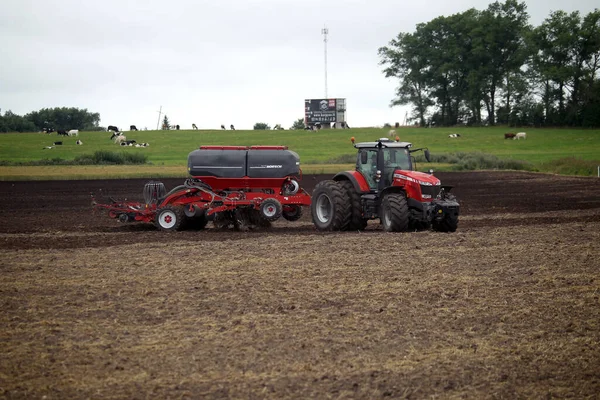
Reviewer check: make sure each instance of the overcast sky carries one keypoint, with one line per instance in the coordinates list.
(211, 62)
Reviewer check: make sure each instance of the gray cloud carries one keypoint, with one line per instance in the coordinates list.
(209, 62)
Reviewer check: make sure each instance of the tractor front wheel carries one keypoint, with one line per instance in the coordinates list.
(448, 224)
(170, 218)
(394, 213)
(330, 208)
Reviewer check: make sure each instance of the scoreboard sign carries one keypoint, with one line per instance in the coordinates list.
(320, 111)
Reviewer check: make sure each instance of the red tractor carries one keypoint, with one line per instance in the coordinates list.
(233, 186)
(385, 186)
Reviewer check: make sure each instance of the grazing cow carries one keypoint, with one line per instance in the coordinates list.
(73, 132)
(48, 130)
(454, 135)
(60, 132)
(112, 128)
(194, 127)
(232, 127)
(79, 142)
(115, 134)
(133, 128)
(57, 143)
(223, 127)
(509, 135)
(520, 135)
(177, 127)
(392, 133)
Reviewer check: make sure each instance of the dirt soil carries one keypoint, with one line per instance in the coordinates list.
(506, 307)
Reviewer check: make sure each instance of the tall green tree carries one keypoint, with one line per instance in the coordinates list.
(65, 118)
(406, 60)
(11, 122)
(500, 47)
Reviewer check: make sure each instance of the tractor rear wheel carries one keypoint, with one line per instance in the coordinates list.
(170, 218)
(330, 207)
(357, 222)
(292, 213)
(394, 213)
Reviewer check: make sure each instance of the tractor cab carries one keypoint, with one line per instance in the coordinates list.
(377, 161)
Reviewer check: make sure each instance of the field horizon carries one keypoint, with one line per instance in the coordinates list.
(326, 151)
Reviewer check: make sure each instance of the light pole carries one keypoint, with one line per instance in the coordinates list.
(159, 114)
(325, 32)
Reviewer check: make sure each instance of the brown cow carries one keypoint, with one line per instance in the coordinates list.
(509, 135)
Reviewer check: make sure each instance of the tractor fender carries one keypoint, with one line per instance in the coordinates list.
(358, 181)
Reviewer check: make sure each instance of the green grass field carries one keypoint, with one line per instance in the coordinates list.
(318, 150)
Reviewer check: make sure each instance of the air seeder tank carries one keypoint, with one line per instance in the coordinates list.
(242, 161)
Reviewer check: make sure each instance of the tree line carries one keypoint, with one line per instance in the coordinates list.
(492, 67)
(63, 118)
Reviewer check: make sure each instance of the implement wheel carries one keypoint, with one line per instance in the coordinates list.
(292, 213)
(170, 218)
(270, 209)
(330, 207)
(394, 213)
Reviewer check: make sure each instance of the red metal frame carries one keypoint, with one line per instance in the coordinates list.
(224, 194)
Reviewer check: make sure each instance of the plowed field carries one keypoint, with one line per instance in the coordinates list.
(506, 307)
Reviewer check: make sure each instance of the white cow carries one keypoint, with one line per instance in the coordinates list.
(120, 139)
(520, 135)
(454, 135)
(392, 133)
(79, 142)
(73, 132)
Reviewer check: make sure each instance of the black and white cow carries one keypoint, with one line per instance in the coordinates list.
(133, 128)
(112, 128)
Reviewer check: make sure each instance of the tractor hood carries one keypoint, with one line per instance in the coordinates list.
(419, 177)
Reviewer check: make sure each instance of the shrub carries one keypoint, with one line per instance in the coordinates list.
(571, 166)
(473, 161)
(261, 126)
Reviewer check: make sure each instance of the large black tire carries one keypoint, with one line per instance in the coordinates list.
(448, 224)
(330, 207)
(357, 222)
(270, 209)
(394, 213)
(170, 218)
(294, 213)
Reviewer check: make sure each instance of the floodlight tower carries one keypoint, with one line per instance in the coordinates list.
(325, 32)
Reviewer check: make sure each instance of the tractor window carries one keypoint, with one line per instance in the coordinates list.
(394, 158)
(397, 158)
(367, 165)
